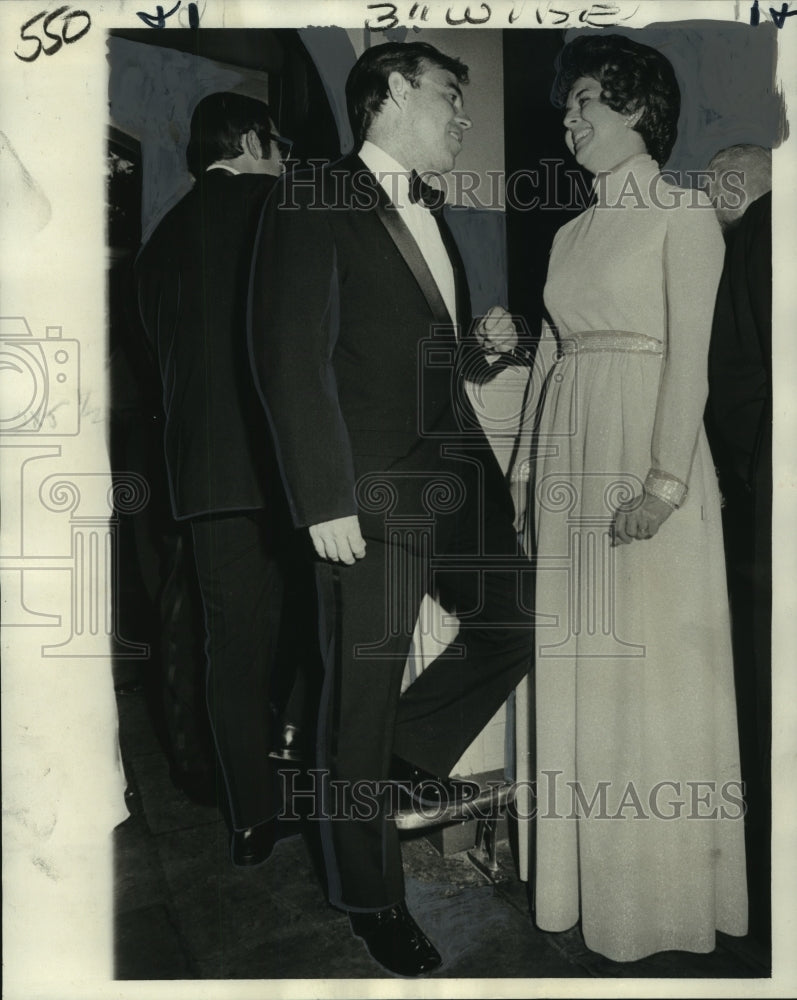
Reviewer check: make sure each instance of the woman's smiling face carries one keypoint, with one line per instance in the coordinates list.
(598, 137)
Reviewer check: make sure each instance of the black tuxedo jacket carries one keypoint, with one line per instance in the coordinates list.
(740, 356)
(360, 368)
(193, 276)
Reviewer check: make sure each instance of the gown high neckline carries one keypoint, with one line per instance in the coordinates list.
(626, 178)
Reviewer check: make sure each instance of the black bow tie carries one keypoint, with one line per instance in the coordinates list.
(424, 194)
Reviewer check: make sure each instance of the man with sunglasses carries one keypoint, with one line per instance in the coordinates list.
(193, 278)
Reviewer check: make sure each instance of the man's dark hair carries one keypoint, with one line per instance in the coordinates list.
(218, 125)
(632, 76)
(366, 87)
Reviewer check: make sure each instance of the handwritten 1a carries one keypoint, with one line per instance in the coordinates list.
(778, 18)
(158, 19)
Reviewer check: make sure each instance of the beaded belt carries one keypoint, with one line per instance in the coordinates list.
(609, 340)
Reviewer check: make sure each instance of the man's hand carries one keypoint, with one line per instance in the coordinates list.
(640, 519)
(339, 540)
(496, 333)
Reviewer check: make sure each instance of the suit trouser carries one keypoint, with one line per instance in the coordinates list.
(368, 614)
(747, 523)
(242, 587)
(183, 662)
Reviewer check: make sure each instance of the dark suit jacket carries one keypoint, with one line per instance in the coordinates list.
(193, 278)
(353, 347)
(740, 356)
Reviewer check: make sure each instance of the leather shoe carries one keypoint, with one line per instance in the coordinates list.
(488, 806)
(253, 846)
(288, 746)
(394, 939)
(429, 791)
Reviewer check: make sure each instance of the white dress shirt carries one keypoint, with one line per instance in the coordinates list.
(395, 181)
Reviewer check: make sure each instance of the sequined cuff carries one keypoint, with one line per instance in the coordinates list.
(666, 487)
(521, 472)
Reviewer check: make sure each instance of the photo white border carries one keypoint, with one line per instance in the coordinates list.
(60, 784)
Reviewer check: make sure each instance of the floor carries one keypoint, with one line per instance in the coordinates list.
(183, 911)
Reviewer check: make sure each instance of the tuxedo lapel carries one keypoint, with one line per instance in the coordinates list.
(460, 278)
(409, 250)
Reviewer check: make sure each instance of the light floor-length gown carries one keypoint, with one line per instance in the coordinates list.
(639, 829)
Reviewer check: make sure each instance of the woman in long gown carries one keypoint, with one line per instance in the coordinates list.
(639, 802)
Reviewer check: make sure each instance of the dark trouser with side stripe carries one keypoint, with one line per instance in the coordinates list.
(368, 613)
(242, 592)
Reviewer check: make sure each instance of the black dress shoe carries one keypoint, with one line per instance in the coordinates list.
(394, 939)
(253, 846)
(288, 745)
(429, 791)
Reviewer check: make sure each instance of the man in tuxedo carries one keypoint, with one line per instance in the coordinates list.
(739, 421)
(360, 335)
(193, 278)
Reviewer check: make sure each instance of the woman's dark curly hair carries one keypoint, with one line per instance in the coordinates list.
(632, 76)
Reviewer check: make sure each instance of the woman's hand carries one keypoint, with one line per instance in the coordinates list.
(496, 332)
(640, 519)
